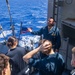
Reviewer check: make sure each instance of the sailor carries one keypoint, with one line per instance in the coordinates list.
(4, 65)
(52, 64)
(73, 58)
(16, 53)
(50, 32)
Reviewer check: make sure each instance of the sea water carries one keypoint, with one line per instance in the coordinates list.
(31, 13)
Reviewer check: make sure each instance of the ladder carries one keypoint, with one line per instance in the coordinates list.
(55, 11)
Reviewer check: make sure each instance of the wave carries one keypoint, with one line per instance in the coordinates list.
(5, 33)
(30, 12)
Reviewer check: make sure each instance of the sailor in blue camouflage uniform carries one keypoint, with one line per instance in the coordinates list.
(51, 64)
(15, 53)
(50, 32)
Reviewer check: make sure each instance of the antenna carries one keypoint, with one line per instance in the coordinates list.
(9, 12)
(11, 23)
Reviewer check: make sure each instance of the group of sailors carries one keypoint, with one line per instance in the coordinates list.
(49, 60)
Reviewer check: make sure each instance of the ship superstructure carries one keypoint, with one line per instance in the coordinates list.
(63, 11)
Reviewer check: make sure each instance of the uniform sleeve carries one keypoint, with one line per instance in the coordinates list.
(38, 32)
(34, 63)
(58, 40)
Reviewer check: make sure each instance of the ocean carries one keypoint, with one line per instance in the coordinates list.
(32, 13)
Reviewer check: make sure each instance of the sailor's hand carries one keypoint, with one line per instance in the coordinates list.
(29, 29)
(44, 47)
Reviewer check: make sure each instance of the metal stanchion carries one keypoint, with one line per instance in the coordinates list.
(67, 53)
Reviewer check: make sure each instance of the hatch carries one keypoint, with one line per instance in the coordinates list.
(68, 29)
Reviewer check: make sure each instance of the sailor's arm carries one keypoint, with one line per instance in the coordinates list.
(30, 54)
(39, 32)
